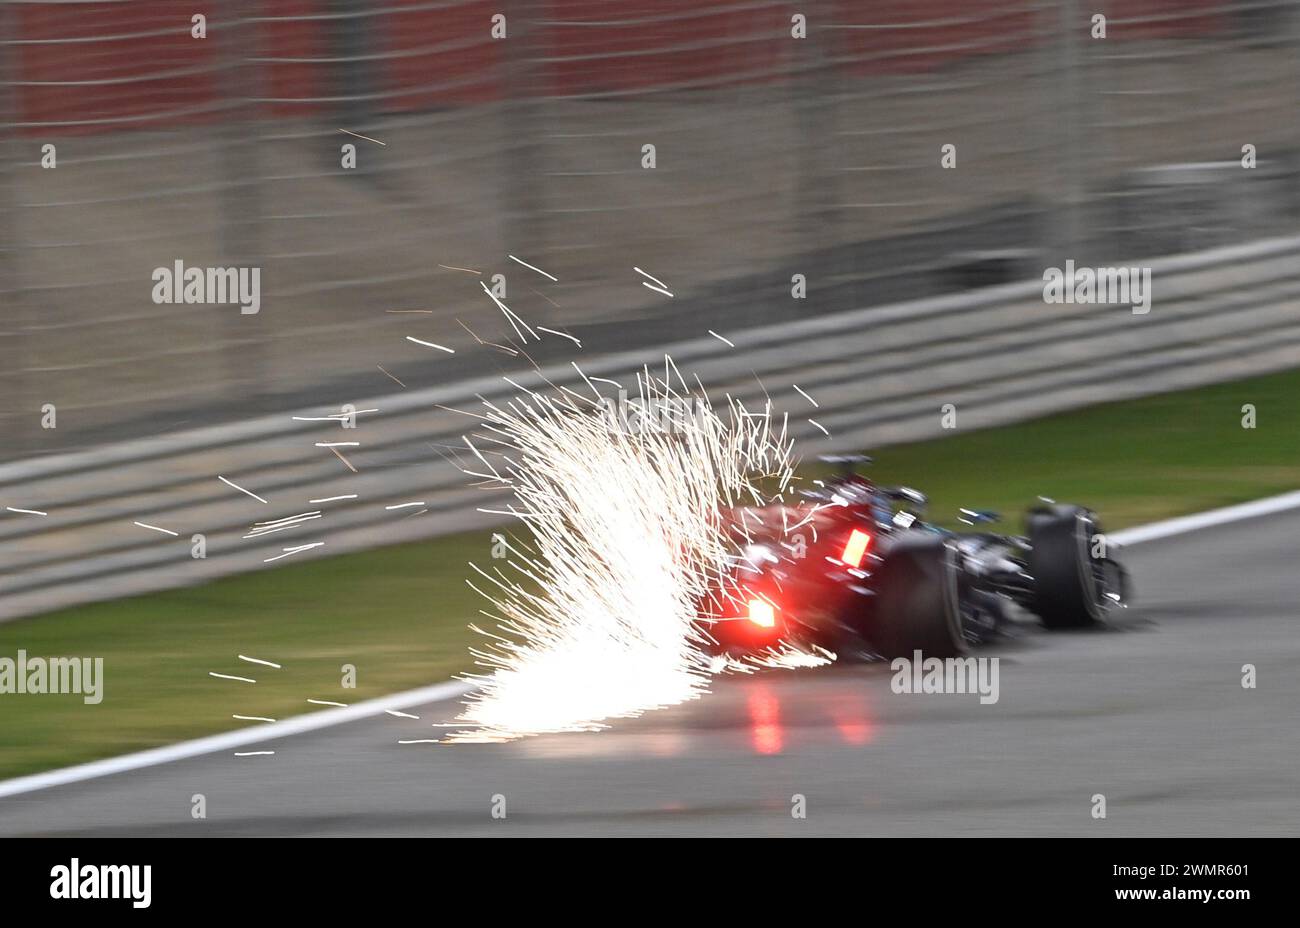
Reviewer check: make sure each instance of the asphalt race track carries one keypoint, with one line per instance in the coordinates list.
(1150, 713)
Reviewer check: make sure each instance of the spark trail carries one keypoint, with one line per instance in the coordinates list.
(626, 534)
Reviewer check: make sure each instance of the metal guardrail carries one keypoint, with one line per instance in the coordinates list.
(880, 375)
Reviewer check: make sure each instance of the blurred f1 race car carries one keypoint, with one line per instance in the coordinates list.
(866, 572)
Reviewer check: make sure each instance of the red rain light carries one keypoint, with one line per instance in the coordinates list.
(761, 613)
(856, 548)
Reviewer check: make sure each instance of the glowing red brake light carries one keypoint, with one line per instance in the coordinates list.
(761, 613)
(856, 548)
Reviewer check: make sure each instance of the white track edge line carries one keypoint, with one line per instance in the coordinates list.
(297, 725)
(1200, 520)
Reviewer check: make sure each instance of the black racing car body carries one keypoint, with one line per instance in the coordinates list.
(858, 568)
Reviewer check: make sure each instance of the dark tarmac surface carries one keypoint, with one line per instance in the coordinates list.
(1149, 712)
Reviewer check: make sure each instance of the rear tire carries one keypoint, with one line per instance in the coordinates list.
(917, 607)
(1067, 592)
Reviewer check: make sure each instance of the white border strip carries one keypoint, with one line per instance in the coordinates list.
(312, 721)
(440, 692)
(1200, 520)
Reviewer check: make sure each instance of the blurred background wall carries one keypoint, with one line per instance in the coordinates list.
(774, 155)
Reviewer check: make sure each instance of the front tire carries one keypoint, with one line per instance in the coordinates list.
(1068, 581)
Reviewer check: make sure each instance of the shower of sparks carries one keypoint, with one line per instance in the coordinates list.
(366, 137)
(278, 525)
(165, 531)
(806, 396)
(791, 658)
(257, 660)
(332, 417)
(240, 489)
(345, 461)
(514, 320)
(655, 279)
(542, 328)
(271, 531)
(531, 268)
(420, 341)
(782, 657)
(545, 297)
(294, 550)
(504, 348)
(628, 534)
(392, 378)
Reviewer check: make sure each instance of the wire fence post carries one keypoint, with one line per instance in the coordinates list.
(353, 82)
(242, 200)
(1066, 234)
(814, 95)
(521, 73)
(14, 360)
(1293, 40)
